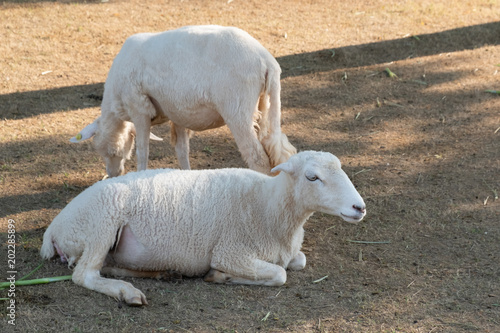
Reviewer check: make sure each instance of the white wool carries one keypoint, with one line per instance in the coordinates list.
(198, 77)
(245, 226)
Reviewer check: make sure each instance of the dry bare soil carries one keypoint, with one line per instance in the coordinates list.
(422, 148)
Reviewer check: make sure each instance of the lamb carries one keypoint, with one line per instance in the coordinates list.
(198, 78)
(230, 225)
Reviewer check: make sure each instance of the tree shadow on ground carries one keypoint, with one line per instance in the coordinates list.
(21, 105)
(22, 2)
(454, 40)
(27, 104)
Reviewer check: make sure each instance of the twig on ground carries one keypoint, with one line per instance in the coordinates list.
(320, 279)
(368, 242)
(266, 316)
(361, 171)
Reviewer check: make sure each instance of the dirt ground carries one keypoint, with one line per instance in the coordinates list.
(423, 149)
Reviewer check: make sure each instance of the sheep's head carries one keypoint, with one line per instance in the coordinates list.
(113, 141)
(321, 185)
(115, 147)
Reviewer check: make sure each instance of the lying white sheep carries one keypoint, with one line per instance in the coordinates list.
(198, 77)
(238, 225)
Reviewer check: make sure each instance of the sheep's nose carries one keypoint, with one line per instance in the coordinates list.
(361, 209)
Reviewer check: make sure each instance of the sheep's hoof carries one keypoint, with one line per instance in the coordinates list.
(216, 276)
(138, 299)
(137, 302)
(210, 276)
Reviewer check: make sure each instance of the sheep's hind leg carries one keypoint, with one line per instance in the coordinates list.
(260, 273)
(86, 274)
(180, 138)
(170, 276)
(250, 147)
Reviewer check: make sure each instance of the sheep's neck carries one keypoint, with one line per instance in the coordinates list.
(285, 214)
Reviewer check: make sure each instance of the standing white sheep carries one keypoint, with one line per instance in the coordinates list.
(238, 225)
(198, 77)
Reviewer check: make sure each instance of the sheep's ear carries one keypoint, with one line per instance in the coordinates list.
(154, 137)
(285, 167)
(151, 135)
(86, 133)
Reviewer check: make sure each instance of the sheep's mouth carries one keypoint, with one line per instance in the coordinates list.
(352, 218)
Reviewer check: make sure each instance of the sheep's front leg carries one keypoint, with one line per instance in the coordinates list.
(259, 273)
(142, 127)
(298, 262)
(86, 274)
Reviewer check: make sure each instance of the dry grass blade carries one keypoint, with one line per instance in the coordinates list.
(368, 242)
(320, 279)
(361, 171)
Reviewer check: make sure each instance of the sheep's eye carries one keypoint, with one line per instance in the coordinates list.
(312, 178)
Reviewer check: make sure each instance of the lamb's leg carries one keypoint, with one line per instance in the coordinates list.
(86, 274)
(259, 272)
(298, 262)
(250, 147)
(181, 145)
(142, 127)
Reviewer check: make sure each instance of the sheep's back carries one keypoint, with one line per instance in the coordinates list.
(188, 68)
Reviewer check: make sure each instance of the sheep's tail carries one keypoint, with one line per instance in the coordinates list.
(47, 250)
(275, 143)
